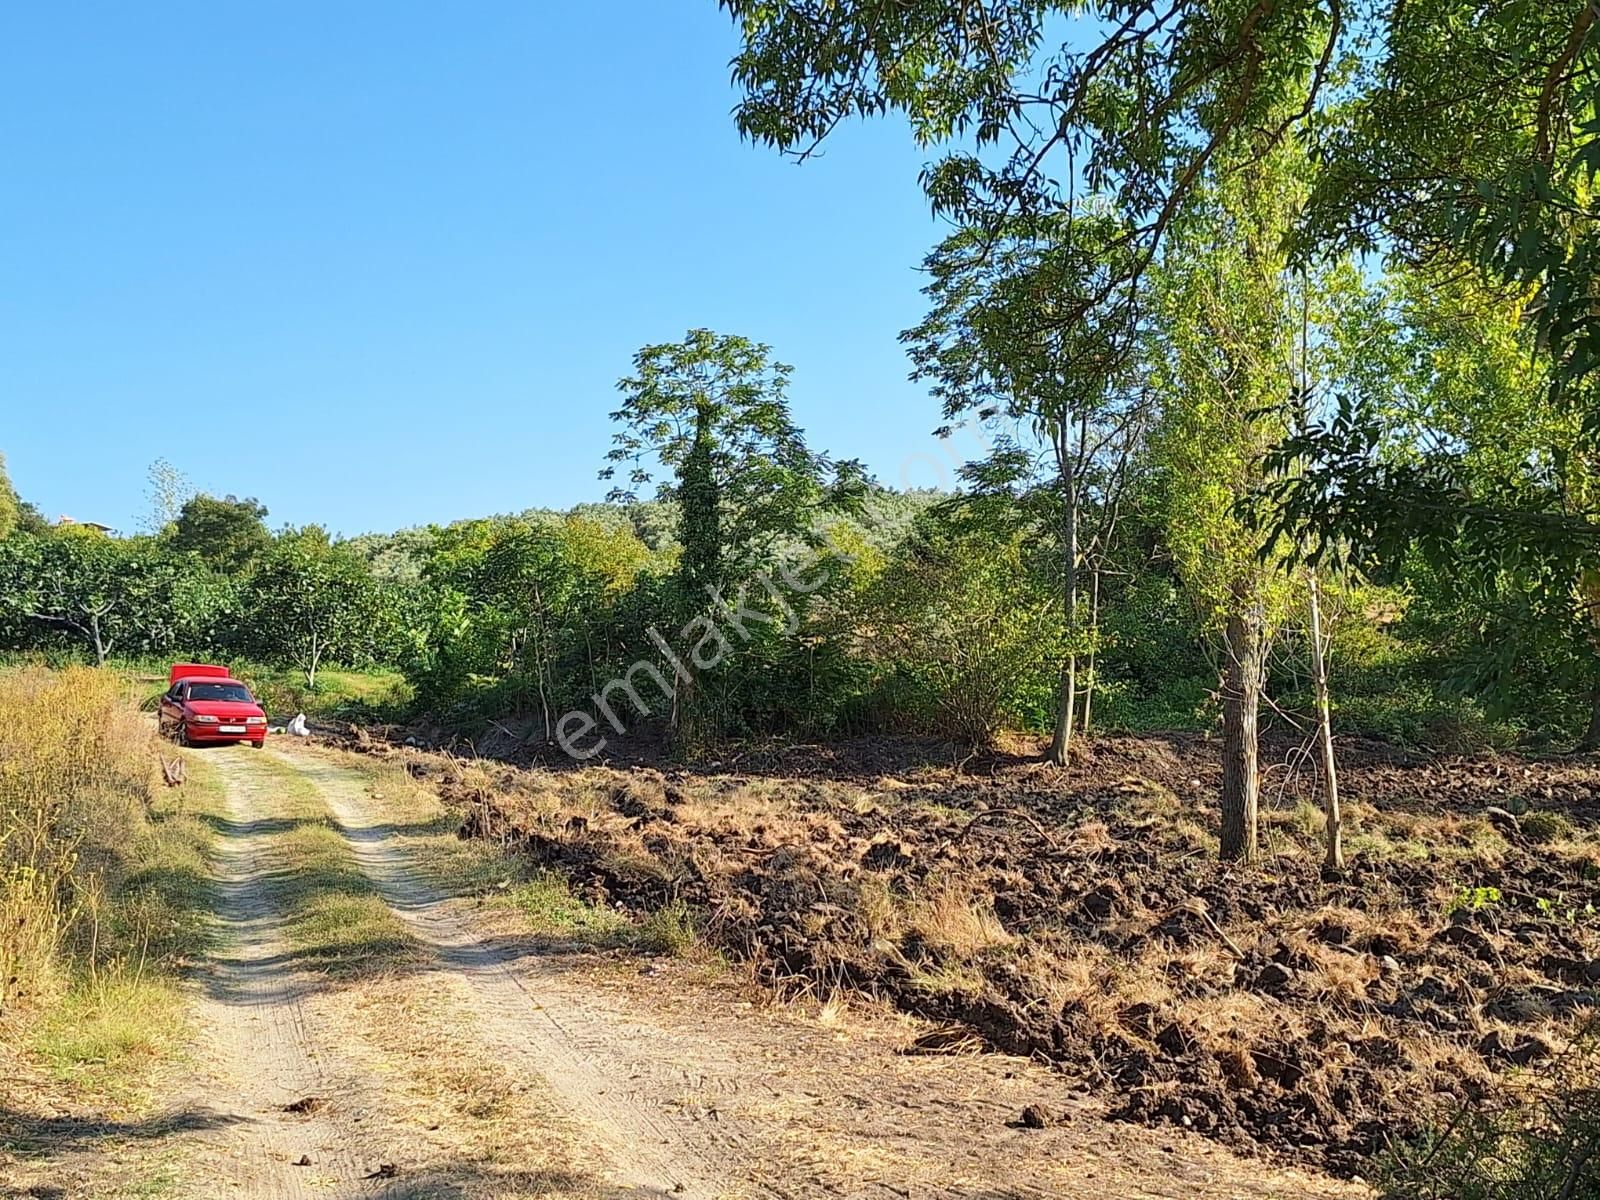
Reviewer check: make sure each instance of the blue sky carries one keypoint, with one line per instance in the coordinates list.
(382, 264)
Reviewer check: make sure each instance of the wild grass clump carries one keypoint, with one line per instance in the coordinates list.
(671, 929)
(546, 902)
(104, 881)
(1544, 826)
(77, 777)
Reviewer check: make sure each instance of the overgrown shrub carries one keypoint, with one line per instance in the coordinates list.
(972, 636)
(1535, 1137)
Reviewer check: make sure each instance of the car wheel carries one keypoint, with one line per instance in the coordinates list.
(183, 736)
(258, 745)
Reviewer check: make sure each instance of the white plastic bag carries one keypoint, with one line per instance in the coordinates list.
(297, 727)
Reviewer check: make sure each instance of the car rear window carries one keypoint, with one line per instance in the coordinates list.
(220, 691)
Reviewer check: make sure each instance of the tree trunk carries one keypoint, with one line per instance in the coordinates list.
(99, 642)
(1066, 703)
(1591, 735)
(1094, 642)
(542, 675)
(1330, 774)
(1241, 704)
(516, 668)
(1067, 700)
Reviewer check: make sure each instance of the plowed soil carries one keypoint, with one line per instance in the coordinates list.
(1081, 917)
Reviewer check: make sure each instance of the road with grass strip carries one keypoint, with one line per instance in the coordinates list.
(317, 896)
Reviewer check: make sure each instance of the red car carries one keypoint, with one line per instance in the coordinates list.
(206, 704)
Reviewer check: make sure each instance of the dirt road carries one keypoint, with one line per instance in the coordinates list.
(477, 1064)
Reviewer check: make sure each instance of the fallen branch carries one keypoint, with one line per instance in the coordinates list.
(1198, 908)
(997, 812)
(174, 772)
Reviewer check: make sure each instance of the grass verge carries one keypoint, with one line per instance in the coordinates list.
(336, 923)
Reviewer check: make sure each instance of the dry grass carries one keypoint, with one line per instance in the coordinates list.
(881, 913)
(104, 892)
(103, 874)
(955, 921)
(76, 778)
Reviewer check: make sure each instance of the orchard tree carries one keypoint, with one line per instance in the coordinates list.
(227, 532)
(527, 580)
(108, 593)
(960, 612)
(308, 602)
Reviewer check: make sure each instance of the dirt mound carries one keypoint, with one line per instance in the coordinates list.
(1082, 918)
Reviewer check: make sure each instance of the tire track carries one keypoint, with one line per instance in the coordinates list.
(265, 1055)
(602, 1067)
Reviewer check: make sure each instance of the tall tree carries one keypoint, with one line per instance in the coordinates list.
(227, 532)
(996, 345)
(1469, 158)
(1143, 103)
(712, 413)
(167, 490)
(1224, 358)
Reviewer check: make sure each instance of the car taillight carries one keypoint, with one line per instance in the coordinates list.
(203, 719)
(255, 720)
